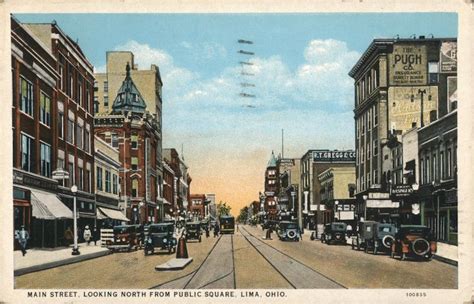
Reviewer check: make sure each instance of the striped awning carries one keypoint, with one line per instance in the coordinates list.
(47, 206)
(113, 214)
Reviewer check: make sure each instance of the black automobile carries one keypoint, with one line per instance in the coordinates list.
(193, 231)
(160, 236)
(125, 238)
(334, 233)
(374, 236)
(288, 231)
(414, 241)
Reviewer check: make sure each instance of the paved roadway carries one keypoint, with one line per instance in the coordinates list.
(245, 260)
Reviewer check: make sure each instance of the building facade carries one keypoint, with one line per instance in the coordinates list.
(170, 202)
(399, 84)
(288, 171)
(181, 181)
(134, 132)
(198, 207)
(271, 188)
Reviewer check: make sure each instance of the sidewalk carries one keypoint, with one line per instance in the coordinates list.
(37, 259)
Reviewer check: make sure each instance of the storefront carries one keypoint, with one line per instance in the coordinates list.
(108, 217)
(440, 213)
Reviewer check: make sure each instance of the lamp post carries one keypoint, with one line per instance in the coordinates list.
(293, 195)
(300, 212)
(75, 249)
(158, 217)
(336, 205)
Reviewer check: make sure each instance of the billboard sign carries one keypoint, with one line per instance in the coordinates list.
(448, 58)
(334, 156)
(408, 65)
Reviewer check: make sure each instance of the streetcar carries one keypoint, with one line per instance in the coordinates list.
(227, 224)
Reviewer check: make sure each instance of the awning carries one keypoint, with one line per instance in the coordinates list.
(47, 206)
(113, 214)
(372, 203)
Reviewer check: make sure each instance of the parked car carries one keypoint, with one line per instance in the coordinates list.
(414, 241)
(288, 231)
(125, 238)
(334, 233)
(374, 236)
(193, 231)
(160, 236)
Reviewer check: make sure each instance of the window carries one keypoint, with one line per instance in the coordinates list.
(114, 184)
(434, 168)
(441, 165)
(376, 118)
(61, 73)
(71, 174)
(433, 71)
(45, 109)
(80, 184)
(45, 160)
(87, 181)
(106, 101)
(107, 181)
(88, 99)
(376, 176)
(449, 163)
(134, 161)
(61, 124)
(99, 179)
(27, 153)
(79, 91)
(114, 140)
(422, 171)
(106, 86)
(368, 180)
(368, 150)
(134, 139)
(135, 188)
(70, 130)
(428, 167)
(376, 146)
(87, 140)
(70, 90)
(26, 96)
(79, 135)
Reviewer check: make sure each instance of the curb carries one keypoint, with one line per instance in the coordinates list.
(71, 260)
(445, 260)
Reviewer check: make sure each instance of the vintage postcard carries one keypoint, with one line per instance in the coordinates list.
(238, 152)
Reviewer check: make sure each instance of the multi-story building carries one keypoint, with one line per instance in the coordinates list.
(131, 129)
(288, 171)
(110, 210)
(211, 197)
(149, 84)
(271, 187)
(198, 207)
(337, 194)
(35, 148)
(181, 180)
(399, 84)
(438, 188)
(313, 163)
(169, 199)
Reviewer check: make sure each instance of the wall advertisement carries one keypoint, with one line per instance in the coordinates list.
(408, 65)
(448, 58)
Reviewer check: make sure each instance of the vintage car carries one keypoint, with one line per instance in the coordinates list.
(193, 231)
(414, 241)
(160, 236)
(374, 236)
(125, 238)
(334, 233)
(288, 231)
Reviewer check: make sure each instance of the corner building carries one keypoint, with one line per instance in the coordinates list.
(399, 84)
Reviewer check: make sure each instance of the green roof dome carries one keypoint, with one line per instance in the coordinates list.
(128, 97)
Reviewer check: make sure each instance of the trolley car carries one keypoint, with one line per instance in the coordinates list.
(227, 224)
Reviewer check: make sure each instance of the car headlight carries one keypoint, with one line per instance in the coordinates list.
(165, 240)
(124, 239)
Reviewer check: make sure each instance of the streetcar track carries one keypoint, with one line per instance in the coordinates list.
(193, 272)
(233, 260)
(290, 257)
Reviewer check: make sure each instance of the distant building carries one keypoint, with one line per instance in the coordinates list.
(211, 197)
(289, 174)
(181, 180)
(198, 206)
(170, 202)
(271, 187)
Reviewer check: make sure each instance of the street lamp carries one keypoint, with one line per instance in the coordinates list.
(158, 217)
(336, 204)
(300, 211)
(75, 249)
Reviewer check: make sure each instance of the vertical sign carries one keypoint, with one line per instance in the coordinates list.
(408, 65)
(448, 57)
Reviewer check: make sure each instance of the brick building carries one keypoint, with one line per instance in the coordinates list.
(131, 129)
(198, 207)
(271, 187)
(169, 191)
(182, 181)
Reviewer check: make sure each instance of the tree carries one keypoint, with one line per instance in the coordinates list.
(223, 209)
(244, 214)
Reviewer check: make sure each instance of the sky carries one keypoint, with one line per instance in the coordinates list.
(300, 72)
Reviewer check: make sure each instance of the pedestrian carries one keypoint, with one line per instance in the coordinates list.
(269, 233)
(87, 235)
(68, 236)
(22, 236)
(216, 230)
(206, 227)
(95, 235)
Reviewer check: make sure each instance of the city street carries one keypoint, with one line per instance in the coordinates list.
(245, 260)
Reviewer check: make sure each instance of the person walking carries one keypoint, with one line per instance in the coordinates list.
(22, 236)
(68, 236)
(206, 227)
(87, 235)
(95, 235)
(216, 230)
